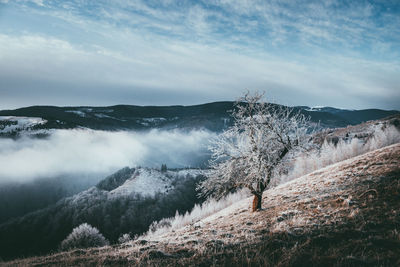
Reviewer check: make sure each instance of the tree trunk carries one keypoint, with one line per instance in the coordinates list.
(257, 202)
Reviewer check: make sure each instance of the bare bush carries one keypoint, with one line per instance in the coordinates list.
(84, 236)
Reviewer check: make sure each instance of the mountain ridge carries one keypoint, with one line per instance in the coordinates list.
(213, 116)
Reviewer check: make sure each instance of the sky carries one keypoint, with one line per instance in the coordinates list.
(337, 53)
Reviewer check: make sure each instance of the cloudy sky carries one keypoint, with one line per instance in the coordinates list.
(80, 52)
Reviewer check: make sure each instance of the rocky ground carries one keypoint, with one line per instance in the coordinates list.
(347, 214)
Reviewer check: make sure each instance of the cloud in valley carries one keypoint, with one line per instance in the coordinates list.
(89, 151)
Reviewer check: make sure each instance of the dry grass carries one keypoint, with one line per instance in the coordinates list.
(347, 214)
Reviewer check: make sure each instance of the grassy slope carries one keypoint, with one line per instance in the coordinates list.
(347, 214)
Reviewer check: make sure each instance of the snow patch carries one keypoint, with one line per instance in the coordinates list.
(146, 182)
(151, 121)
(104, 116)
(10, 124)
(321, 108)
(77, 112)
(154, 120)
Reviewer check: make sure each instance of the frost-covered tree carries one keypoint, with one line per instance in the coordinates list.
(84, 236)
(124, 238)
(256, 147)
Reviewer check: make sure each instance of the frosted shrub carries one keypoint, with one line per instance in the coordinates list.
(84, 236)
(383, 137)
(124, 238)
(198, 212)
(163, 223)
(330, 153)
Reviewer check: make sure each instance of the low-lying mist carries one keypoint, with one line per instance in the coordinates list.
(83, 151)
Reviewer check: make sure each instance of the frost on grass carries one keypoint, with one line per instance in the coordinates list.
(199, 212)
(330, 153)
(84, 236)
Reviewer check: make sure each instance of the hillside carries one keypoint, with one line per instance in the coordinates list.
(125, 202)
(38, 120)
(346, 214)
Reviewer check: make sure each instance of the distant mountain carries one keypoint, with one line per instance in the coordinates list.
(211, 116)
(353, 117)
(126, 202)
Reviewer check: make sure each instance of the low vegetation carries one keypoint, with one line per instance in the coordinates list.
(329, 152)
(84, 236)
(343, 215)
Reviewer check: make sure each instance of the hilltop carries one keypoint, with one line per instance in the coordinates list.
(346, 214)
(41, 120)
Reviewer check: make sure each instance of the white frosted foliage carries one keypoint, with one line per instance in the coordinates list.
(247, 155)
(84, 236)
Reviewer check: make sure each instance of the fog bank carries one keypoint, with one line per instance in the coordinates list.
(88, 151)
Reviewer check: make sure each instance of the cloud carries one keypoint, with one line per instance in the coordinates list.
(146, 52)
(38, 2)
(328, 23)
(53, 71)
(88, 151)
